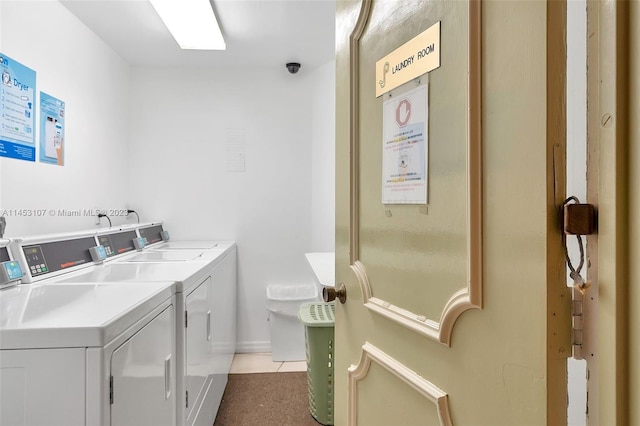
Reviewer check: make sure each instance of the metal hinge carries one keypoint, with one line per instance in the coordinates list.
(187, 399)
(186, 319)
(577, 306)
(111, 390)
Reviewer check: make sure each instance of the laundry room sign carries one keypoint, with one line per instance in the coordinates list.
(418, 56)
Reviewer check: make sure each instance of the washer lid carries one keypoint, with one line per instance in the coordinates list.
(184, 274)
(173, 256)
(187, 245)
(74, 315)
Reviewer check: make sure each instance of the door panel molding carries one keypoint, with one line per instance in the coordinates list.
(469, 297)
(428, 390)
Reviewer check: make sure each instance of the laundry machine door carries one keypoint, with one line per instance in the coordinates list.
(198, 343)
(143, 375)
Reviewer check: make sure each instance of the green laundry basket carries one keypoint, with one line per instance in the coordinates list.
(318, 320)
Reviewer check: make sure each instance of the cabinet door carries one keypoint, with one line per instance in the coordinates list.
(198, 337)
(143, 371)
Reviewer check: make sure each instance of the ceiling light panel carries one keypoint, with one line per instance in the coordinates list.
(192, 23)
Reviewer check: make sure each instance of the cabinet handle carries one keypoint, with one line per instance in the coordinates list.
(167, 377)
(209, 326)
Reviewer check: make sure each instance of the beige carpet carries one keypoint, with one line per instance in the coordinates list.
(266, 399)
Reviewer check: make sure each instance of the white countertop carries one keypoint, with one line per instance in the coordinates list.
(323, 266)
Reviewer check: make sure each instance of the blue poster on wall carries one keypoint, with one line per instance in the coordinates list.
(51, 130)
(17, 113)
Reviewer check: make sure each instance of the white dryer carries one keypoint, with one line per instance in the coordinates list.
(106, 339)
(90, 354)
(205, 320)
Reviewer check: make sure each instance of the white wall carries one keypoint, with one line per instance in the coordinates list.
(180, 126)
(74, 65)
(323, 131)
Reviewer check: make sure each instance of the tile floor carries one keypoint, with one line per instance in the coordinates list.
(262, 363)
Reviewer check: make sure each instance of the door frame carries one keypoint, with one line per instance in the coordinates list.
(609, 188)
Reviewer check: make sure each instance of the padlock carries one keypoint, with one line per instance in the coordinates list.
(579, 219)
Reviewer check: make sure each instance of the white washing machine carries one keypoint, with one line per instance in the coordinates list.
(205, 304)
(158, 249)
(111, 348)
(88, 354)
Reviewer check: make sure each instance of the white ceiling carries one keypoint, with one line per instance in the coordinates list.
(258, 33)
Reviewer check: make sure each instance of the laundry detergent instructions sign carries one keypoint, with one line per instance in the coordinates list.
(405, 148)
(17, 110)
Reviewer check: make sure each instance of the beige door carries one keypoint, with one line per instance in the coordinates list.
(457, 310)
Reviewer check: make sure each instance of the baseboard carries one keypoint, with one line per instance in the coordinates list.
(253, 347)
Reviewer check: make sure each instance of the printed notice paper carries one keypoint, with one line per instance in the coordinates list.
(17, 110)
(405, 148)
(51, 130)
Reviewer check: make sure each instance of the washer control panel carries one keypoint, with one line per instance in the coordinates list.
(151, 234)
(4, 254)
(54, 256)
(117, 242)
(35, 260)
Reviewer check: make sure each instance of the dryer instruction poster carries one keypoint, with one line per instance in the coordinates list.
(405, 148)
(17, 110)
(51, 130)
